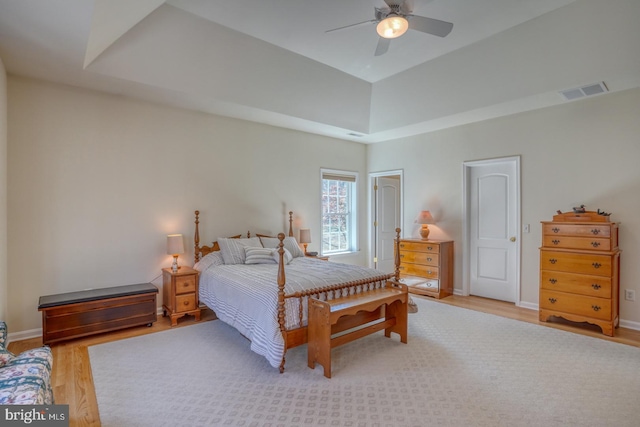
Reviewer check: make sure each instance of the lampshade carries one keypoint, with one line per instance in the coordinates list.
(305, 235)
(175, 244)
(424, 217)
(392, 26)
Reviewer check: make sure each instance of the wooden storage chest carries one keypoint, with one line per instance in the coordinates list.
(77, 314)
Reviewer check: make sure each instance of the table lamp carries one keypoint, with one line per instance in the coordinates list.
(424, 218)
(305, 237)
(175, 247)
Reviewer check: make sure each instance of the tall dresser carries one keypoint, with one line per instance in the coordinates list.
(426, 266)
(579, 270)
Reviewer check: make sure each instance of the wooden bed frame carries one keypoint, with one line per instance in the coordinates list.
(299, 336)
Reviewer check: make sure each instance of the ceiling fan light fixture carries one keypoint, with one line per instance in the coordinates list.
(392, 26)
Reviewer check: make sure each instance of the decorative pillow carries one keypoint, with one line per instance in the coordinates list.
(258, 255)
(213, 258)
(287, 257)
(290, 244)
(233, 249)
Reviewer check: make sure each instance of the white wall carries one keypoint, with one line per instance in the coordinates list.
(97, 181)
(3, 192)
(584, 152)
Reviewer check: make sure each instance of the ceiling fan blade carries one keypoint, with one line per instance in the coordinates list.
(351, 25)
(383, 46)
(429, 25)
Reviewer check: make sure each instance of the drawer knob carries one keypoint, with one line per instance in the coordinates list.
(595, 244)
(553, 260)
(430, 248)
(595, 231)
(402, 245)
(595, 286)
(401, 255)
(555, 229)
(555, 241)
(186, 303)
(429, 259)
(429, 272)
(595, 307)
(596, 264)
(553, 281)
(552, 300)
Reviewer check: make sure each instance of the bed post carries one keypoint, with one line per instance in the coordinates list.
(290, 223)
(281, 283)
(196, 239)
(397, 255)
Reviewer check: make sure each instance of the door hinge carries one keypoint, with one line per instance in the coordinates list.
(375, 223)
(375, 187)
(375, 259)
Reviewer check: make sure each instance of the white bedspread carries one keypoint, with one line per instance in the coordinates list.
(246, 296)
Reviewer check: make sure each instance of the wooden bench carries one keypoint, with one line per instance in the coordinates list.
(327, 318)
(78, 314)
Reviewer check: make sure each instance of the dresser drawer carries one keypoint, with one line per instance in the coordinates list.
(583, 284)
(578, 230)
(581, 263)
(419, 270)
(185, 302)
(426, 258)
(598, 308)
(185, 284)
(568, 242)
(420, 247)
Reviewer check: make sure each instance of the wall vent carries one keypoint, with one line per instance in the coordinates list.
(583, 91)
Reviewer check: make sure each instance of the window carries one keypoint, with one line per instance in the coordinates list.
(339, 222)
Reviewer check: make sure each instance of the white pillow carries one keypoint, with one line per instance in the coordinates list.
(290, 244)
(287, 257)
(258, 255)
(211, 259)
(233, 249)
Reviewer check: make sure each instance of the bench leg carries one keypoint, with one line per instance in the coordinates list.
(399, 310)
(319, 336)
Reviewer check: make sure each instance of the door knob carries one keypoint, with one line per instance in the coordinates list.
(513, 239)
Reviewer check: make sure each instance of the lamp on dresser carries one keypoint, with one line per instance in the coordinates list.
(424, 218)
(305, 238)
(175, 247)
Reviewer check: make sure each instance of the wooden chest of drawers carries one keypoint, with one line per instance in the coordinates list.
(426, 266)
(579, 272)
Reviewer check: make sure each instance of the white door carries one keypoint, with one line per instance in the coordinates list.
(493, 224)
(387, 219)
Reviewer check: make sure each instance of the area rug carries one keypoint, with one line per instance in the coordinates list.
(459, 368)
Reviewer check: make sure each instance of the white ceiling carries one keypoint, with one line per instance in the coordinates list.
(271, 61)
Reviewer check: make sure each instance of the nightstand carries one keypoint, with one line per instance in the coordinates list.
(180, 293)
(323, 258)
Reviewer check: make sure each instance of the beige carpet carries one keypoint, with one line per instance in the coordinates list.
(460, 368)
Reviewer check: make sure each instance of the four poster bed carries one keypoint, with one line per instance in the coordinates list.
(242, 279)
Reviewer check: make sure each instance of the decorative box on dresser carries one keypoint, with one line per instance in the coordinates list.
(426, 266)
(579, 270)
(180, 293)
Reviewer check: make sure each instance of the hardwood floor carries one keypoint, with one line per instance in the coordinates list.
(73, 384)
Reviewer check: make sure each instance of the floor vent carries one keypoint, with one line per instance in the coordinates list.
(581, 92)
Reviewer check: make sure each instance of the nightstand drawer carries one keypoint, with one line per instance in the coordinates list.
(185, 284)
(419, 270)
(420, 247)
(598, 308)
(186, 302)
(425, 258)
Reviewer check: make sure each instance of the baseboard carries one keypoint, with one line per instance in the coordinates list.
(24, 335)
(628, 324)
(528, 305)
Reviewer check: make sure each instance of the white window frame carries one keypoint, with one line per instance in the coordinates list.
(352, 222)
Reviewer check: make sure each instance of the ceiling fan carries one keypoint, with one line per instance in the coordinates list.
(395, 19)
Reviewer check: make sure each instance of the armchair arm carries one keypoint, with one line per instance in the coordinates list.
(3, 335)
